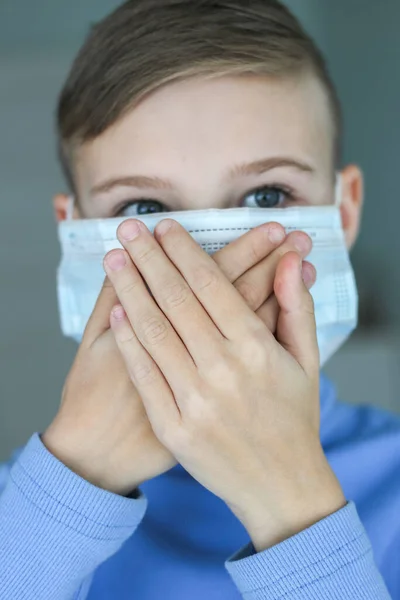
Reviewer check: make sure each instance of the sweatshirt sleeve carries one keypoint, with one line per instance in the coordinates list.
(331, 560)
(56, 528)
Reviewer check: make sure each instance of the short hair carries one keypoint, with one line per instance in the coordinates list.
(145, 44)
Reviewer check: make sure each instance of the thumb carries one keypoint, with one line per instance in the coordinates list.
(99, 320)
(296, 328)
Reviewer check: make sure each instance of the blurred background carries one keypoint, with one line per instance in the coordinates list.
(38, 41)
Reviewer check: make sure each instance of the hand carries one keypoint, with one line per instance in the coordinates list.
(101, 430)
(238, 408)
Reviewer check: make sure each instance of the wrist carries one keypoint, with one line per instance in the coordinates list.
(270, 520)
(84, 459)
(285, 526)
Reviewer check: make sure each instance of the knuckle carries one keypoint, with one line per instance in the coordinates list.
(248, 292)
(223, 375)
(255, 348)
(154, 330)
(175, 294)
(219, 372)
(129, 288)
(126, 336)
(206, 279)
(146, 254)
(144, 373)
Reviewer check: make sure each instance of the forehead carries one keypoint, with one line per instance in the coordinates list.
(200, 125)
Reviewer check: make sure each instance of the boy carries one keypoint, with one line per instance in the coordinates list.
(181, 105)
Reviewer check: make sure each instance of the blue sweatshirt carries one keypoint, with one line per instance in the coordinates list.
(62, 538)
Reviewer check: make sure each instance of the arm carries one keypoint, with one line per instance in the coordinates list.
(57, 528)
(331, 560)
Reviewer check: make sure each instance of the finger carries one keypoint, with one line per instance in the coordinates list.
(268, 313)
(99, 320)
(173, 294)
(247, 250)
(150, 383)
(296, 328)
(218, 296)
(269, 310)
(150, 325)
(256, 285)
(309, 274)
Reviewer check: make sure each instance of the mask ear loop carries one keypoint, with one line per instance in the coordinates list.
(70, 208)
(338, 190)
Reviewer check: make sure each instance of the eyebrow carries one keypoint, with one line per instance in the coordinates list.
(266, 164)
(254, 168)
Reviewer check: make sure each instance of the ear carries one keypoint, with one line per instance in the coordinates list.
(60, 206)
(351, 202)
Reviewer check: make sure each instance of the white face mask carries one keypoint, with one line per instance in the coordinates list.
(85, 242)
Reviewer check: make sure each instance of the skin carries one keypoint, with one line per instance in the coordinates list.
(136, 399)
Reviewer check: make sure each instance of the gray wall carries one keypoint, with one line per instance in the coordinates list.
(364, 52)
(37, 43)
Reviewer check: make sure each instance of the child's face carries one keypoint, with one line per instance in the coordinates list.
(222, 143)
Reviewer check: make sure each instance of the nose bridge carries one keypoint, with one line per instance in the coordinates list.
(203, 198)
(203, 201)
(202, 187)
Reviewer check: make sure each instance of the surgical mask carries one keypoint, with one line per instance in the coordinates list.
(85, 242)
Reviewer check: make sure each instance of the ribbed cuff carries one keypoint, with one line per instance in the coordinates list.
(313, 554)
(71, 500)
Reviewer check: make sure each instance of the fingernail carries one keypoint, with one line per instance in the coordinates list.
(309, 274)
(276, 234)
(116, 260)
(164, 226)
(118, 313)
(129, 230)
(302, 243)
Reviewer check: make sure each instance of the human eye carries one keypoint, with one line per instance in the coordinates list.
(269, 196)
(140, 207)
